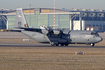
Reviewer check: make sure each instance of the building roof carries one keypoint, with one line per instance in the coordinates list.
(83, 10)
(63, 9)
(6, 10)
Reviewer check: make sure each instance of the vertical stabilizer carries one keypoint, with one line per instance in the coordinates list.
(20, 19)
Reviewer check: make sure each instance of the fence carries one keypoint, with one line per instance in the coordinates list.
(51, 62)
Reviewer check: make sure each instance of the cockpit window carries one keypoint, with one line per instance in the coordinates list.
(95, 33)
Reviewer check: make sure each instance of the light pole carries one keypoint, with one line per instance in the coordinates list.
(54, 16)
(30, 13)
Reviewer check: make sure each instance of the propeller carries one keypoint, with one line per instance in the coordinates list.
(60, 33)
(49, 31)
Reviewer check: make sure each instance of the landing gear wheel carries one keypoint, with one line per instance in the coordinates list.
(52, 44)
(62, 44)
(57, 44)
(66, 44)
(92, 44)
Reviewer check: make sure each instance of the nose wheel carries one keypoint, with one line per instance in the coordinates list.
(92, 44)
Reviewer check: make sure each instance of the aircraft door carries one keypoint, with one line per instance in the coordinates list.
(67, 37)
(44, 38)
(69, 40)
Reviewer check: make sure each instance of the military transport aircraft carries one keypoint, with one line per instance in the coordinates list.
(55, 36)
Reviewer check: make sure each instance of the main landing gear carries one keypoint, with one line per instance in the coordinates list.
(66, 44)
(57, 44)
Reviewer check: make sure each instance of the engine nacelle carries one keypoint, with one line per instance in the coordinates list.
(45, 31)
(43, 27)
(56, 31)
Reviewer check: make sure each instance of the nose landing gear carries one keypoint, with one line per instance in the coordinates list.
(92, 44)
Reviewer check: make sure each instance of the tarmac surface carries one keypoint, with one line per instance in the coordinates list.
(16, 54)
(46, 45)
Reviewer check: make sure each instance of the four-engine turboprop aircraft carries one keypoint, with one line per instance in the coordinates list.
(55, 36)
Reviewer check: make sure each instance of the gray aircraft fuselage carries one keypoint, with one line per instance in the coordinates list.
(70, 37)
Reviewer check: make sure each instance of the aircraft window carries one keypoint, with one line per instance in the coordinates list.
(94, 34)
(97, 34)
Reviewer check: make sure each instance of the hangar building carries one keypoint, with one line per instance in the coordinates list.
(73, 19)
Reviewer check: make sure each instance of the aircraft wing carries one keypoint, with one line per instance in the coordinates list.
(15, 30)
(31, 29)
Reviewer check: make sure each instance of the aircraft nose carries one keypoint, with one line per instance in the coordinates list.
(99, 39)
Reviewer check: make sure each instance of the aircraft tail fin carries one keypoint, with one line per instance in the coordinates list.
(20, 19)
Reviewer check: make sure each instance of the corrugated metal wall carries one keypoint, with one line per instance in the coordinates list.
(61, 21)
